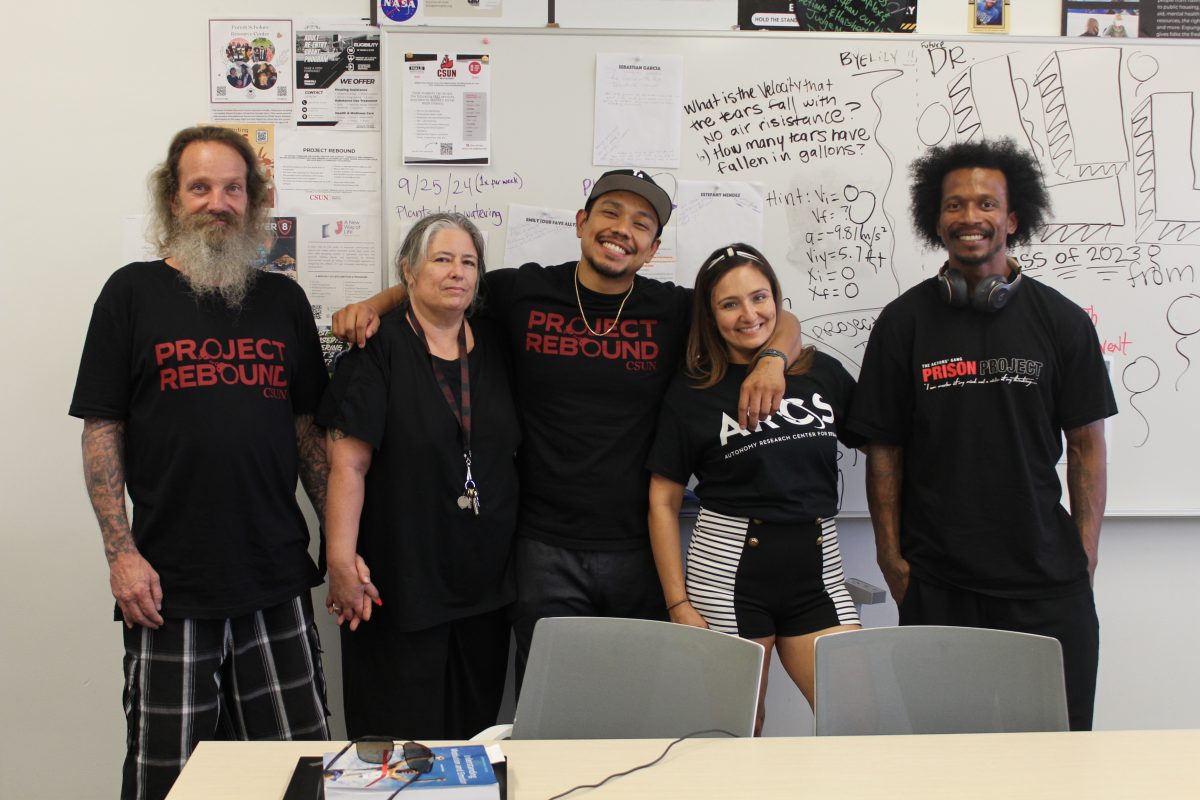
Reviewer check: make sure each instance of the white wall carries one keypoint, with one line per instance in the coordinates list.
(91, 97)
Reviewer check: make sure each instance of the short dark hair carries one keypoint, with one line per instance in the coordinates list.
(707, 356)
(164, 180)
(1027, 195)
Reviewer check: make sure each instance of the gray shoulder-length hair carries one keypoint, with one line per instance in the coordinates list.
(415, 249)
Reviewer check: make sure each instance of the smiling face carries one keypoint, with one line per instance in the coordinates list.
(975, 222)
(212, 188)
(743, 309)
(616, 238)
(444, 283)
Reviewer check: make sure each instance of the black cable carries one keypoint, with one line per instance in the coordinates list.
(632, 770)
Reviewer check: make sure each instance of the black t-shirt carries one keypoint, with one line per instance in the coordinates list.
(979, 403)
(432, 561)
(209, 398)
(785, 470)
(588, 404)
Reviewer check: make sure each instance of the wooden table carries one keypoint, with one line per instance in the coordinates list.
(1122, 765)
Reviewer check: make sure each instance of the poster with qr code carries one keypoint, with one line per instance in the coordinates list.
(447, 108)
(250, 61)
(339, 261)
(338, 78)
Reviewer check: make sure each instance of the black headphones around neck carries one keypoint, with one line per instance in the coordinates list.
(991, 294)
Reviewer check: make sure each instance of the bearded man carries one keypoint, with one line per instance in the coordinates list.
(197, 386)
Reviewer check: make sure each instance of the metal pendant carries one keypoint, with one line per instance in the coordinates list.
(470, 498)
(470, 495)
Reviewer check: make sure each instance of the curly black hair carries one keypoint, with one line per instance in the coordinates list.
(1027, 196)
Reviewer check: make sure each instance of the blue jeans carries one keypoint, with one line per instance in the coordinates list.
(559, 582)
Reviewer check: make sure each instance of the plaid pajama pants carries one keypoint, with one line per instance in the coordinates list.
(253, 677)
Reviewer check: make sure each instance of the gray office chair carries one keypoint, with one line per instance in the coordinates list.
(607, 678)
(931, 679)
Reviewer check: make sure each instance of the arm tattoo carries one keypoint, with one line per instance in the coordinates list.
(336, 434)
(314, 467)
(104, 473)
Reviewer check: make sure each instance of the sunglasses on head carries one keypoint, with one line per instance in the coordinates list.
(379, 750)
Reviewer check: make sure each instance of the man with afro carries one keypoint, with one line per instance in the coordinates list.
(969, 382)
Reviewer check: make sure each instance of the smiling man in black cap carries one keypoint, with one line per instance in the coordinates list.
(594, 346)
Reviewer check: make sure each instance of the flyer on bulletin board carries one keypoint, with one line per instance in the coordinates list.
(1122, 19)
(338, 79)
(250, 70)
(447, 113)
(250, 60)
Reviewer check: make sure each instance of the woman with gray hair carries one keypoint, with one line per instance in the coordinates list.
(422, 502)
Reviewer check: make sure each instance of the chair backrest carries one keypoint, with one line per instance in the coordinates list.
(933, 679)
(607, 678)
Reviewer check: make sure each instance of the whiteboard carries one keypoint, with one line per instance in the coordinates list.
(1114, 126)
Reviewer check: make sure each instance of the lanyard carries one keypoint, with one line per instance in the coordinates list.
(463, 416)
(469, 500)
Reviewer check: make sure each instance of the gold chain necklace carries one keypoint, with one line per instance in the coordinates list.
(583, 315)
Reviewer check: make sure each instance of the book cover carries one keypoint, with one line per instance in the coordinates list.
(463, 773)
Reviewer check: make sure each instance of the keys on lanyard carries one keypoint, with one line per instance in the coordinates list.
(470, 497)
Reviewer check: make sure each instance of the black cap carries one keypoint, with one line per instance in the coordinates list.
(638, 182)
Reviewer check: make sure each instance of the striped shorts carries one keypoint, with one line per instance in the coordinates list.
(256, 676)
(756, 579)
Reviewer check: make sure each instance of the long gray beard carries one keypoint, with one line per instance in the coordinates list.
(216, 263)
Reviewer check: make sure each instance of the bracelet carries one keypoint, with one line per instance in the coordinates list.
(771, 351)
(677, 605)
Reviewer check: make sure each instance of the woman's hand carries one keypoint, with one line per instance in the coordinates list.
(351, 593)
(684, 614)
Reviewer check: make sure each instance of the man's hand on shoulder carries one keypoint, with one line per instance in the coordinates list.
(358, 322)
(762, 391)
(763, 388)
(355, 324)
(136, 587)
